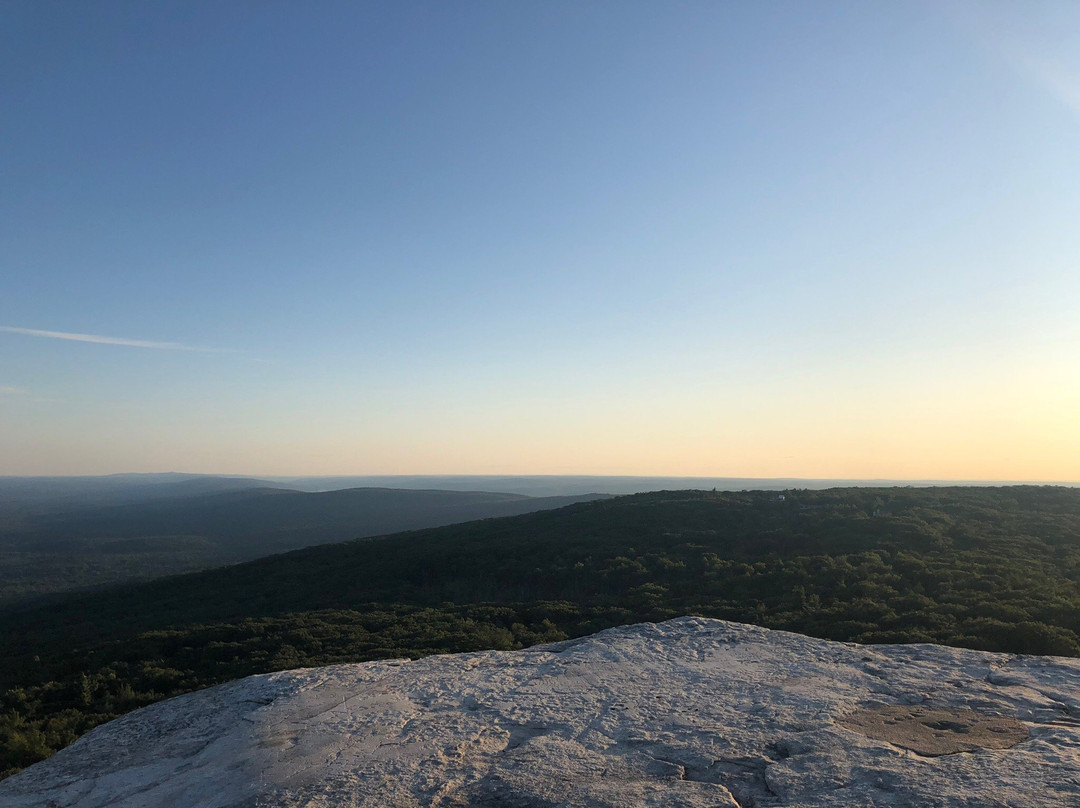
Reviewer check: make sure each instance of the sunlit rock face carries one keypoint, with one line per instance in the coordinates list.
(691, 712)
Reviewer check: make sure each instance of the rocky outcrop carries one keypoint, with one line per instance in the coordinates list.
(691, 712)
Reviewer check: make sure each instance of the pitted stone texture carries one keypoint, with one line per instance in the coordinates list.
(687, 713)
(936, 732)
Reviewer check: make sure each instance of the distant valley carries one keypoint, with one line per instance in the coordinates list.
(54, 538)
(60, 534)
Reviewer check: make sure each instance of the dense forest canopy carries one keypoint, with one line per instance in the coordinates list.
(987, 568)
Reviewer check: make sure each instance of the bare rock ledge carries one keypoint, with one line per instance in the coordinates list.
(691, 712)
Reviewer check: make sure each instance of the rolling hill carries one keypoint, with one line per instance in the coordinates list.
(61, 543)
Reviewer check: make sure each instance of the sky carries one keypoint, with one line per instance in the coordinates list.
(778, 239)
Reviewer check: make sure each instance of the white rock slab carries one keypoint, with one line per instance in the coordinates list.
(691, 712)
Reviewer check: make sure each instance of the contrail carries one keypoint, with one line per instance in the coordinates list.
(96, 338)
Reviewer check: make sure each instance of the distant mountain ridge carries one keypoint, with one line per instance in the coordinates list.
(118, 488)
(538, 485)
(59, 541)
(20, 496)
(279, 518)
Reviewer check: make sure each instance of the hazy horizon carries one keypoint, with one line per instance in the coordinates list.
(754, 241)
(770, 481)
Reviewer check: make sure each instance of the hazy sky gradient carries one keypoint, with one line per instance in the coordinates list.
(740, 239)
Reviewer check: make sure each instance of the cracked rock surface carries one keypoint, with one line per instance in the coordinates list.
(690, 712)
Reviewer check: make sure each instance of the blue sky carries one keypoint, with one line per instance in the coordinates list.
(745, 239)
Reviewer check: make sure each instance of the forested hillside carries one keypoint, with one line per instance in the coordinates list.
(988, 568)
(51, 543)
